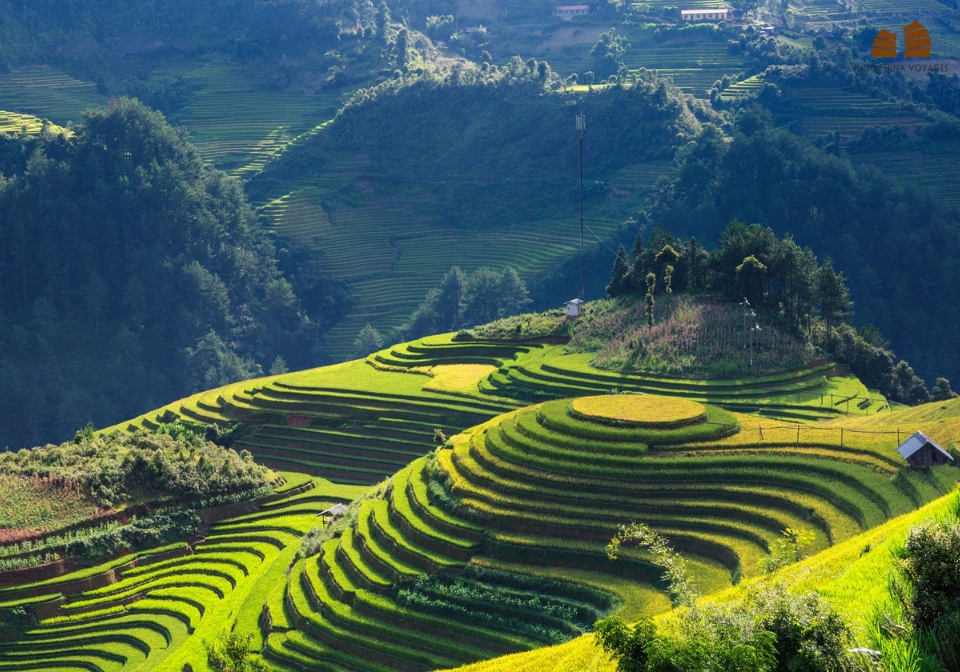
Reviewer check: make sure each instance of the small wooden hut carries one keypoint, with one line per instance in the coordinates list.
(922, 451)
(331, 514)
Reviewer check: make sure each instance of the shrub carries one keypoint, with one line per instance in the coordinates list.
(772, 631)
(786, 550)
(231, 653)
(932, 566)
(158, 528)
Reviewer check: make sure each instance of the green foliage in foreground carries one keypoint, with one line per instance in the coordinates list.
(117, 468)
(773, 631)
(231, 653)
(920, 628)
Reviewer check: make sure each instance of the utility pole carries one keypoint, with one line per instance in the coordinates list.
(581, 127)
(746, 306)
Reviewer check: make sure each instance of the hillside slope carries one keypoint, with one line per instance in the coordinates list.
(536, 494)
(360, 421)
(845, 575)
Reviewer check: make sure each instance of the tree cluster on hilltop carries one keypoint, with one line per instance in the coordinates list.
(779, 278)
(132, 274)
(898, 247)
(123, 467)
(464, 300)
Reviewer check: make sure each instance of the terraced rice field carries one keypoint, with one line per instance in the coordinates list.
(541, 491)
(15, 123)
(234, 124)
(852, 126)
(641, 177)
(543, 371)
(237, 125)
(826, 99)
(938, 171)
(48, 94)
(693, 66)
(350, 422)
(493, 543)
(742, 90)
(945, 43)
(906, 8)
(844, 575)
(392, 260)
(360, 421)
(139, 611)
(821, 110)
(656, 5)
(822, 11)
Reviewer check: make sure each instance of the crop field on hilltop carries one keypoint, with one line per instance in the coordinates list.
(29, 506)
(691, 338)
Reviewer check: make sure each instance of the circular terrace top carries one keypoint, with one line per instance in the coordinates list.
(638, 409)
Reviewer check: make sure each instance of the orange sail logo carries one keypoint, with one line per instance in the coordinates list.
(917, 41)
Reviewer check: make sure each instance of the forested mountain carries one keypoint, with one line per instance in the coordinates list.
(131, 273)
(452, 144)
(494, 145)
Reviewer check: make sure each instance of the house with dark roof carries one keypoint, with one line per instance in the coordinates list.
(922, 451)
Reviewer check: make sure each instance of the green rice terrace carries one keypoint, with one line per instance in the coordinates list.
(514, 505)
(486, 543)
(234, 124)
(392, 260)
(135, 611)
(360, 421)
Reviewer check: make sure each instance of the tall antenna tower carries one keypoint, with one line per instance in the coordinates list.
(581, 127)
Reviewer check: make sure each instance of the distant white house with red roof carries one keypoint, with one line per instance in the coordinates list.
(567, 12)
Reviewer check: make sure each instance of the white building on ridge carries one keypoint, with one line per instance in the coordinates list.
(567, 12)
(704, 14)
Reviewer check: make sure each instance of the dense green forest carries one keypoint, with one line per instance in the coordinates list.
(131, 274)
